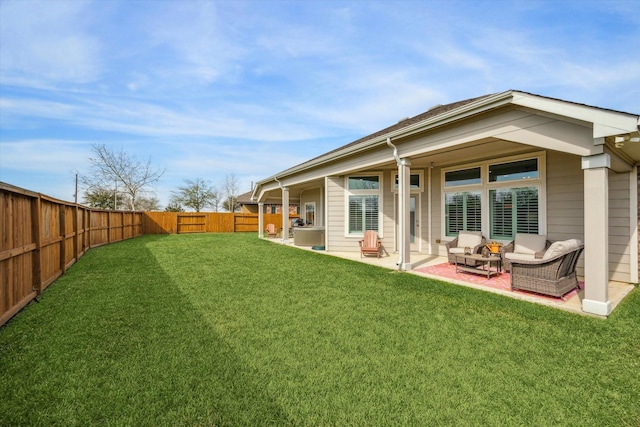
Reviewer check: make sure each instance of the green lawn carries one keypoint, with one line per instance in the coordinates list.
(202, 330)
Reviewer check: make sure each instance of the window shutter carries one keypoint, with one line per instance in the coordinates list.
(527, 210)
(371, 213)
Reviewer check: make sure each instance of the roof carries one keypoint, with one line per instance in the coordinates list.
(245, 199)
(442, 114)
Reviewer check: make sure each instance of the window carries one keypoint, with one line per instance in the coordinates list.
(513, 210)
(415, 181)
(523, 169)
(500, 199)
(462, 177)
(363, 214)
(363, 204)
(310, 213)
(462, 212)
(364, 183)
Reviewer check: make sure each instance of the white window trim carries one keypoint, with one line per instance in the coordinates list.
(420, 189)
(379, 192)
(485, 186)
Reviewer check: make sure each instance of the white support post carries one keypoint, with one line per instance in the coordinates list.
(596, 234)
(260, 220)
(404, 196)
(285, 215)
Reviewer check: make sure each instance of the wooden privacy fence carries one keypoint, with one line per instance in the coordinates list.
(40, 237)
(204, 222)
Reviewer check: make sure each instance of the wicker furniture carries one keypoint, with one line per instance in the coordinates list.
(524, 247)
(370, 244)
(474, 240)
(553, 275)
(485, 264)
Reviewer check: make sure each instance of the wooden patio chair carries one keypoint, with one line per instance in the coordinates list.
(370, 244)
(271, 230)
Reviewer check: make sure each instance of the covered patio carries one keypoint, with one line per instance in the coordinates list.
(500, 164)
(437, 267)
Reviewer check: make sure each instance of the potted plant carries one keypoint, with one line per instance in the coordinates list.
(494, 247)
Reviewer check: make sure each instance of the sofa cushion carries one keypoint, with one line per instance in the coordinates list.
(561, 247)
(529, 243)
(469, 238)
(518, 256)
(456, 251)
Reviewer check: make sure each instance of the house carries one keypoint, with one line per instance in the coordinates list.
(248, 205)
(500, 163)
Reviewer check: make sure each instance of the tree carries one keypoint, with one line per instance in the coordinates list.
(174, 207)
(230, 204)
(231, 189)
(197, 194)
(129, 176)
(151, 203)
(103, 198)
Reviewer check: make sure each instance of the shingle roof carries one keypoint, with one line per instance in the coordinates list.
(245, 198)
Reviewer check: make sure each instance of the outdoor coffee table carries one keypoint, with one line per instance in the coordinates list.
(490, 265)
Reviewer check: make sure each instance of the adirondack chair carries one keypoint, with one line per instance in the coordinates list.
(271, 230)
(370, 244)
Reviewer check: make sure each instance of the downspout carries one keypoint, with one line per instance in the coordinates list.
(400, 205)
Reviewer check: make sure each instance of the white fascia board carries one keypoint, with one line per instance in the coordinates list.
(605, 122)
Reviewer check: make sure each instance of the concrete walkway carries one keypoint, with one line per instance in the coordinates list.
(617, 290)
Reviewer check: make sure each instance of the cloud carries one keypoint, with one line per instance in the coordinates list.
(51, 155)
(48, 40)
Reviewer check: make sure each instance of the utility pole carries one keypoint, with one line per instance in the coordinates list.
(76, 194)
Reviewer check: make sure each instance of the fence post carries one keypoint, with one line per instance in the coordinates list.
(63, 235)
(36, 218)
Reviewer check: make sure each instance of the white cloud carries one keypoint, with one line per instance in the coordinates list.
(48, 40)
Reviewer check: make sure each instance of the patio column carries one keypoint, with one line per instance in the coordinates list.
(404, 195)
(260, 220)
(596, 234)
(285, 214)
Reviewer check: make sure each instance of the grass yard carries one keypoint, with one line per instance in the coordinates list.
(201, 330)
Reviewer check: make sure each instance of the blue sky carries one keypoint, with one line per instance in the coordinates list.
(207, 89)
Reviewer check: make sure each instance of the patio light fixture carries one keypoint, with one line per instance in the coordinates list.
(621, 140)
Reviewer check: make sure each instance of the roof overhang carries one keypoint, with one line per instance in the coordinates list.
(606, 124)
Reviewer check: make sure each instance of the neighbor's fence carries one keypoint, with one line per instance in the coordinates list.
(40, 237)
(204, 222)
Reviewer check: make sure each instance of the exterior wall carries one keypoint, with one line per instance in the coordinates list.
(619, 227)
(336, 214)
(249, 208)
(565, 199)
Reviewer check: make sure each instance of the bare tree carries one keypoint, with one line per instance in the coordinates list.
(128, 175)
(197, 194)
(151, 203)
(231, 188)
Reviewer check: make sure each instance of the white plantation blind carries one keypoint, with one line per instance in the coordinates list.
(513, 210)
(463, 212)
(363, 213)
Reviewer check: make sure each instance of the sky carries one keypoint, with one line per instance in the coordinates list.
(214, 89)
